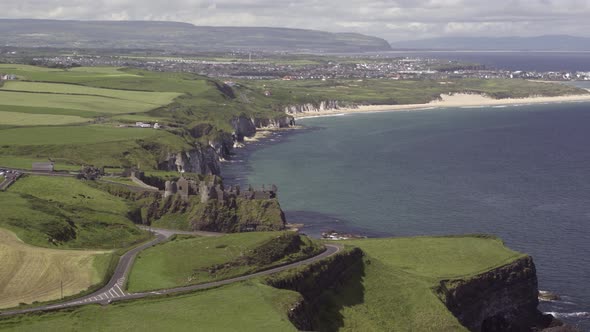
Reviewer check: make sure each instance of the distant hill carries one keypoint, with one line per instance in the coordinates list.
(541, 43)
(177, 36)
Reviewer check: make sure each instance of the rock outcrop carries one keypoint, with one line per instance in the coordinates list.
(503, 299)
(317, 107)
(205, 158)
(274, 123)
(200, 160)
(246, 127)
(243, 127)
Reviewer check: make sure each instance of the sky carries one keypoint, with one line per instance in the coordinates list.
(393, 20)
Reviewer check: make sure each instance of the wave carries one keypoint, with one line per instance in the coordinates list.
(581, 314)
(469, 107)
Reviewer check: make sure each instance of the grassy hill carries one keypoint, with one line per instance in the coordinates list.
(193, 260)
(178, 36)
(66, 213)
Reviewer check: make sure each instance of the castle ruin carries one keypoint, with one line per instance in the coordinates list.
(209, 190)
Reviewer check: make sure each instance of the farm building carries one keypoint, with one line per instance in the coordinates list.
(43, 167)
(7, 77)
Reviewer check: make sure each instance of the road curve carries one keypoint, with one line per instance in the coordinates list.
(113, 290)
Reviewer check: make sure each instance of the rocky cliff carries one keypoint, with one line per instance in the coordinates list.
(274, 123)
(205, 158)
(201, 160)
(326, 105)
(316, 280)
(246, 127)
(503, 299)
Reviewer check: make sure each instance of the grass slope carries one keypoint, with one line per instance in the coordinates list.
(247, 306)
(67, 213)
(187, 260)
(30, 274)
(396, 291)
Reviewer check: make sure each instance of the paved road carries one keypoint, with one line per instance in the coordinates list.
(114, 290)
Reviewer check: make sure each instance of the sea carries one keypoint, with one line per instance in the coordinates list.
(522, 60)
(519, 172)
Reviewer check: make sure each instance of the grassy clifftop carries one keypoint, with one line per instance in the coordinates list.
(393, 288)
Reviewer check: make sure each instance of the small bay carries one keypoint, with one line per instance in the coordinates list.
(521, 173)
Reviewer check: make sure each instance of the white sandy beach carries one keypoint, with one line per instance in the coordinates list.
(456, 100)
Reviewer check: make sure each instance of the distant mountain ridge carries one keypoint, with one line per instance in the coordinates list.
(177, 35)
(540, 43)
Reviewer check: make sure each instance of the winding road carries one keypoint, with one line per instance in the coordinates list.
(114, 289)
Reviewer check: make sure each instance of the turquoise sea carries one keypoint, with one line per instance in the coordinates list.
(522, 173)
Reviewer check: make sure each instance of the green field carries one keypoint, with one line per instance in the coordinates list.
(76, 75)
(26, 119)
(27, 163)
(44, 104)
(72, 135)
(396, 292)
(46, 110)
(150, 98)
(188, 260)
(90, 103)
(247, 306)
(66, 213)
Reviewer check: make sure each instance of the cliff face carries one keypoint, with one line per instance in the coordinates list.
(205, 159)
(503, 299)
(200, 160)
(246, 127)
(280, 122)
(317, 107)
(236, 216)
(243, 127)
(314, 281)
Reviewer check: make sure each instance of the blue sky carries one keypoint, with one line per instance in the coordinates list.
(390, 19)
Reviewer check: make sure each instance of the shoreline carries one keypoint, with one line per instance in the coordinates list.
(448, 101)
